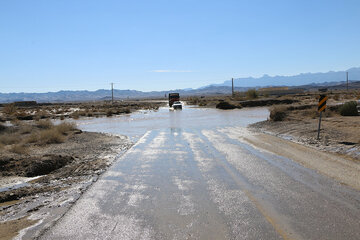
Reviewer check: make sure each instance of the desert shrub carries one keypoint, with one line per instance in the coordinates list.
(18, 148)
(225, 105)
(336, 97)
(126, 110)
(75, 115)
(40, 114)
(109, 113)
(278, 113)
(8, 139)
(193, 100)
(202, 103)
(10, 109)
(348, 109)
(65, 127)
(44, 124)
(25, 128)
(251, 94)
(32, 138)
(82, 113)
(25, 117)
(50, 136)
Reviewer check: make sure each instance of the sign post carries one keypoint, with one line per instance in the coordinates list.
(321, 108)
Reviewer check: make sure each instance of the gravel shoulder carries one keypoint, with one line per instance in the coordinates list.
(336, 154)
(37, 188)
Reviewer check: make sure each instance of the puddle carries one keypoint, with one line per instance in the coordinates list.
(138, 123)
(11, 183)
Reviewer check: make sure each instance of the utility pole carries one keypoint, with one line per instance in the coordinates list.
(347, 81)
(232, 87)
(112, 93)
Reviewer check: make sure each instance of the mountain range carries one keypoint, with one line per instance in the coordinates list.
(296, 80)
(306, 81)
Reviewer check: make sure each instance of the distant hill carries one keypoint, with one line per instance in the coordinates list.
(307, 81)
(296, 80)
(331, 85)
(102, 94)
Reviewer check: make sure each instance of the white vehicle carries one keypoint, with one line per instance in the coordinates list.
(177, 105)
(358, 106)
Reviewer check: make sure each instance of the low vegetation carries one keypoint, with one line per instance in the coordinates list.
(9, 138)
(65, 127)
(251, 94)
(349, 109)
(225, 105)
(278, 113)
(301, 112)
(19, 137)
(18, 148)
(9, 109)
(10, 112)
(50, 136)
(44, 124)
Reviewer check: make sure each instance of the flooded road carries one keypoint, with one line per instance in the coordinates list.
(191, 175)
(137, 124)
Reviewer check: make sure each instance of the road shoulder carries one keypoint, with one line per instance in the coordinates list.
(340, 167)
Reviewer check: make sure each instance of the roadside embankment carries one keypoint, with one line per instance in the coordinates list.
(339, 133)
(44, 169)
(336, 166)
(228, 103)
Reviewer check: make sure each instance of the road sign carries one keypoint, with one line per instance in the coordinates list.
(322, 103)
(321, 108)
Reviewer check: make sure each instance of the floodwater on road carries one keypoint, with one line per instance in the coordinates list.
(138, 123)
(193, 175)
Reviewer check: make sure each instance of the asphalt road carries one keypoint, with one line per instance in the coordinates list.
(184, 183)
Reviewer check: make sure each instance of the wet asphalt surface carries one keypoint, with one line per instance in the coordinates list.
(196, 181)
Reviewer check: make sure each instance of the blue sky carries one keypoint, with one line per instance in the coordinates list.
(160, 45)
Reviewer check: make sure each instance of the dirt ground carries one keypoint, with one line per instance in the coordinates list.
(243, 99)
(38, 187)
(339, 134)
(36, 111)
